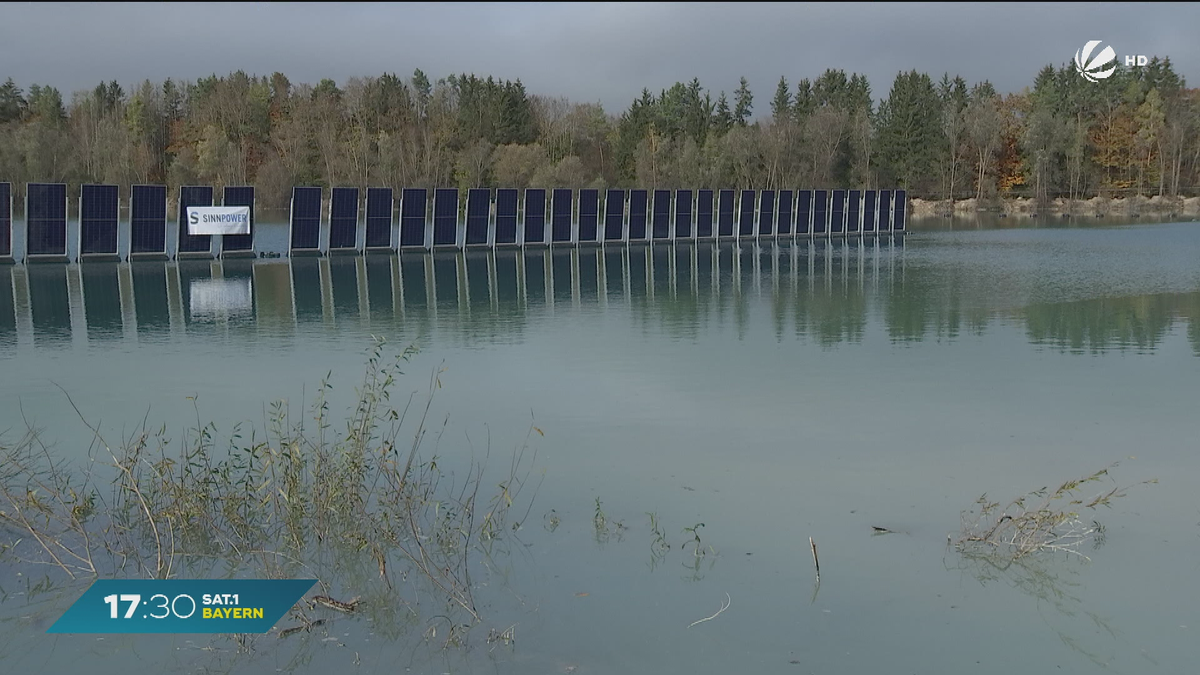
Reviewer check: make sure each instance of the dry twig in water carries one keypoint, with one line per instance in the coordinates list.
(724, 606)
(816, 563)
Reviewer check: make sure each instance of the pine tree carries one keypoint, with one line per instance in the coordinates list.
(743, 103)
(781, 105)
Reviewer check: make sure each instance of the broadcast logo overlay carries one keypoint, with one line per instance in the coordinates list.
(182, 605)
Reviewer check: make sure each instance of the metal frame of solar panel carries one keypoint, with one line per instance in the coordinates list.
(377, 231)
(747, 209)
(766, 214)
(238, 245)
(684, 209)
(148, 222)
(561, 208)
(507, 208)
(870, 208)
(445, 217)
(6, 222)
(785, 213)
(478, 225)
(837, 212)
(639, 215)
(193, 245)
(414, 218)
(304, 221)
(344, 204)
(705, 216)
(820, 211)
(660, 215)
(885, 211)
(899, 210)
(804, 209)
(99, 210)
(853, 210)
(589, 216)
(533, 222)
(46, 216)
(614, 215)
(726, 214)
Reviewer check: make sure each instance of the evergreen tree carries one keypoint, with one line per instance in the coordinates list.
(781, 105)
(743, 103)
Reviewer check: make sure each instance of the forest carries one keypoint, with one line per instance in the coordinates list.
(1137, 132)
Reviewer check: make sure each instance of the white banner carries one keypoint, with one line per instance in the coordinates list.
(218, 220)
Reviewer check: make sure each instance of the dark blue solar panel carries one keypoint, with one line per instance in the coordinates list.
(869, 205)
(445, 217)
(837, 211)
(725, 213)
(704, 213)
(306, 218)
(45, 219)
(885, 211)
(98, 208)
(479, 208)
(746, 214)
(239, 196)
(379, 217)
(820, 211)
(535, 216)
(853, 206)
(899, 210)
(343, 218)
(506, 216)
(784, 217)
(638, 201)
(148, 219)
(660, 220)
(766, 213)
(189, 196)
(5, 219)
(412, 217)
(560, 216)
(683, 214)
(804, 212)
(589, 215)
(614, 215)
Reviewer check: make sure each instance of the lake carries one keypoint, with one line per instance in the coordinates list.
(773, 392)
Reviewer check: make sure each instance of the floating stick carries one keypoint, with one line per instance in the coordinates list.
(724, 606)
(816, 563)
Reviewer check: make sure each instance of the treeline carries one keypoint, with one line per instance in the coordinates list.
(1136, 132)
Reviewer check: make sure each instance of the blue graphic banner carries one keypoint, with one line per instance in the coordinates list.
(182, 605)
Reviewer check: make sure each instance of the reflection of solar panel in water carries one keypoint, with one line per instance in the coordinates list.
(820, 212)
(209, 299)
(101, 301)
(704, 214)
(5, 220)
(683, 214)
(589, 215)
(614, 215)
(660, 220)
(560, 216)
(725, 213)
(305, 219)
(479, 209)
(239, 196)
(746, 214)
(189, 196)
(378, 233)
(804, 211)
(837, 212)
(784, 219)
(885, 210)
(637, 214)
(766, 213)
(343, 219)
(445, 217)
(98, 208)
(869, 205)
(412, 218)
(899, 208)
(506, 217)
(45, 219)
(852, 211)
(150, 303)
(535, 216)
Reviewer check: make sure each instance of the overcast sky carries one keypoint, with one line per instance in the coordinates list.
(595, 52)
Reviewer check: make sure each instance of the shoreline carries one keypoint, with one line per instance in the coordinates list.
(1096, 206)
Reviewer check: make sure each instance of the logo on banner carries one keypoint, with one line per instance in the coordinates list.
(218, 220)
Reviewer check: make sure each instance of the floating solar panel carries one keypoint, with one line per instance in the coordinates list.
(479, 209)
(899, 210)
(725, 213)
(660, 220)
(535, 216)
(589, 215)
(837, 212)
(746, 214)
(5, 220)
(506, 217)
(637, 214)
(343, 219)
(804, 210)
(868, 210)
(766, 213)
(614, 215)
(147, 220)
(820, 219)
(98, 210)
(853, 206)
(412, 218)
(704, 214)
(560, 216)
(378, 235)
(683, 214)
(784, 219)
(445, 217)
(885, 211)
(305, 222)
(238, 196)
(190, 196)
(45, 219)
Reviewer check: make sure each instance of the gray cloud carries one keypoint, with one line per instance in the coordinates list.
(588, 52)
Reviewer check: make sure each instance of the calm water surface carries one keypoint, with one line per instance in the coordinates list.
(774, 392)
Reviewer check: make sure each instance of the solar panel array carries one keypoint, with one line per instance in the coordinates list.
(46, 219)
(786, 203)
(98, 212)
(820, 212)
(725, 214)
(589, 215)
(560, 216)
(837, 212)
(614, 215)
(506, 217)
(746, 214)
(378, 233)
(683, 214)
(660, 220)
(148, 220)
(239, 196)
(413, 208)
(885, 211)
(898, 211)
(306, 219)
(189, 196)
(343, 218)
(804, 211)
(766, 213)
(704, 214)
(638, 203)
(852, 211)
(5, 220)
(479, 206)
(445, 217)
(535, 216)
(869, 215)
